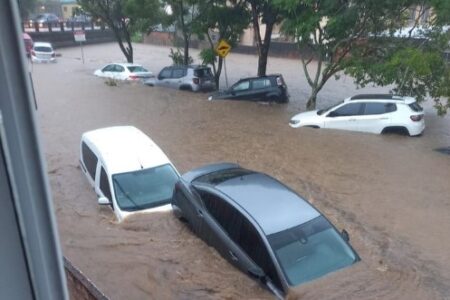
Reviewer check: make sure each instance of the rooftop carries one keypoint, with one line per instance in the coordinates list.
(125, 149)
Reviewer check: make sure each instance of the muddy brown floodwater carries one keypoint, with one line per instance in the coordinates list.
(390, 192)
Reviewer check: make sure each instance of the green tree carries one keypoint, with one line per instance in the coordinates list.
(359, 37)
(224, 19)
(26, 7)
(123, 17)
(264, 12)
(184, 14)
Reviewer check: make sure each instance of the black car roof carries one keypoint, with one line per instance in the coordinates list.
(270, 203)
(258, 77)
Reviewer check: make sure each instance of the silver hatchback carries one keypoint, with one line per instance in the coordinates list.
(194, 78)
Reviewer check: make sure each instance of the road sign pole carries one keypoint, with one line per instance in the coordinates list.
(82, 52)
(225, 69)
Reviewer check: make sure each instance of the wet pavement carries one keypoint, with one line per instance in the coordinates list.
(390, 192)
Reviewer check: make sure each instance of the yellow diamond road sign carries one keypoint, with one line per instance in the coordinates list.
(223, 48)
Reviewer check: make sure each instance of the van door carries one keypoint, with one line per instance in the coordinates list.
(164, 77)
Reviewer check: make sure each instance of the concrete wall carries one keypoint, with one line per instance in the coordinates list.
(79, 286)
(66, 39)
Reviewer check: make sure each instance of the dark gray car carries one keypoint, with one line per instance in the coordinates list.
(193, 78)
(260, 226)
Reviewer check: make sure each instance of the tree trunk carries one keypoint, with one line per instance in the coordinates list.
(186, 51)
(264, 52)
(218, 72)
(311, 104)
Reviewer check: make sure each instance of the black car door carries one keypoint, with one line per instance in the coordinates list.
(240, 91)
(220, 221)
(260, 87)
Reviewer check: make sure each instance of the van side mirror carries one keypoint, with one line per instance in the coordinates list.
(345, 235)
(104, 201)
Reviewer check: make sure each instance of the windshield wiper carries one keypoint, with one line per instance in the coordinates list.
(126, 195)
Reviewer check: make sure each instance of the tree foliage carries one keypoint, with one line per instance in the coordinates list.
(224, 19)
(264, 12)
(359, 37)
(123, 17)
(184, 14)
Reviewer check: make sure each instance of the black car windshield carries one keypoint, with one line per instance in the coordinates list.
(43, 49)
(205, 72)
(311, 250)
(134, 69)
(144, 188)
(322, 111)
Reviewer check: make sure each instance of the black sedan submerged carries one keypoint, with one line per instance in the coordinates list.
(260, 226)
(270, 88)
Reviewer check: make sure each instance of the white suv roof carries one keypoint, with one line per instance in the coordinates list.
(125, 149)
(381, 97)
(42, 44)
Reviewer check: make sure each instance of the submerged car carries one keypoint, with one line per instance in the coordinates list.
(42, 53)
(270, 88)
(124, 71)
(373, 113)
(193, 78)
(127, 170)
(261, 226)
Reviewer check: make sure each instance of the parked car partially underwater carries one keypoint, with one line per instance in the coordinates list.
(127, 170)
(124, 71)
(42, 53)
(193, 78)
(270, 88)
(374, 113)
(261, 226)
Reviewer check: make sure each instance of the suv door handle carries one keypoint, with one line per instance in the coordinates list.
(352, 120)
(384, 118)
(233, 256)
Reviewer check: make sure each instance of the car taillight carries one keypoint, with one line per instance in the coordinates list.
(133, 77)
(416, 118)
(196, 81)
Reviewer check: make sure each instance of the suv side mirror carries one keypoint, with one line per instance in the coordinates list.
(104, 201)
(345, 235)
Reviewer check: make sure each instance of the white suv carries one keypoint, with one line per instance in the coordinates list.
(375, 113)
(127, 170)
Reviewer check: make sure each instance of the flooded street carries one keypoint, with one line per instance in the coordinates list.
(390, 192)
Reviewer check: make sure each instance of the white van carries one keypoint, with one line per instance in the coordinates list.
(128, 170)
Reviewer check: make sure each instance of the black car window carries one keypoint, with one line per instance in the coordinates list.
(242, 232)
(241, 86)
(89, 160)
(204, 72)
(108, 68)
(104, 184)
(415, 107)
(390, 107)
(261, 83)
(215, 178)
(165, 73)
(177, 73)
(372, 108)
(350, 109)
(118, 68)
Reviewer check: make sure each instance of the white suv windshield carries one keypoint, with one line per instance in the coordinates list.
(144, 188)
(310, 250)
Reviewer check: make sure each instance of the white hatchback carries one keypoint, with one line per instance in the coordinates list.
(124, 71)
(42, 53)
(374, 113)
(127, 170)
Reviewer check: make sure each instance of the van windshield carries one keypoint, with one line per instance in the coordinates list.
(311, 250)
(43, 49)
(144, 188)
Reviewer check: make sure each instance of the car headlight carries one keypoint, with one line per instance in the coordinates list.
(294, 122)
